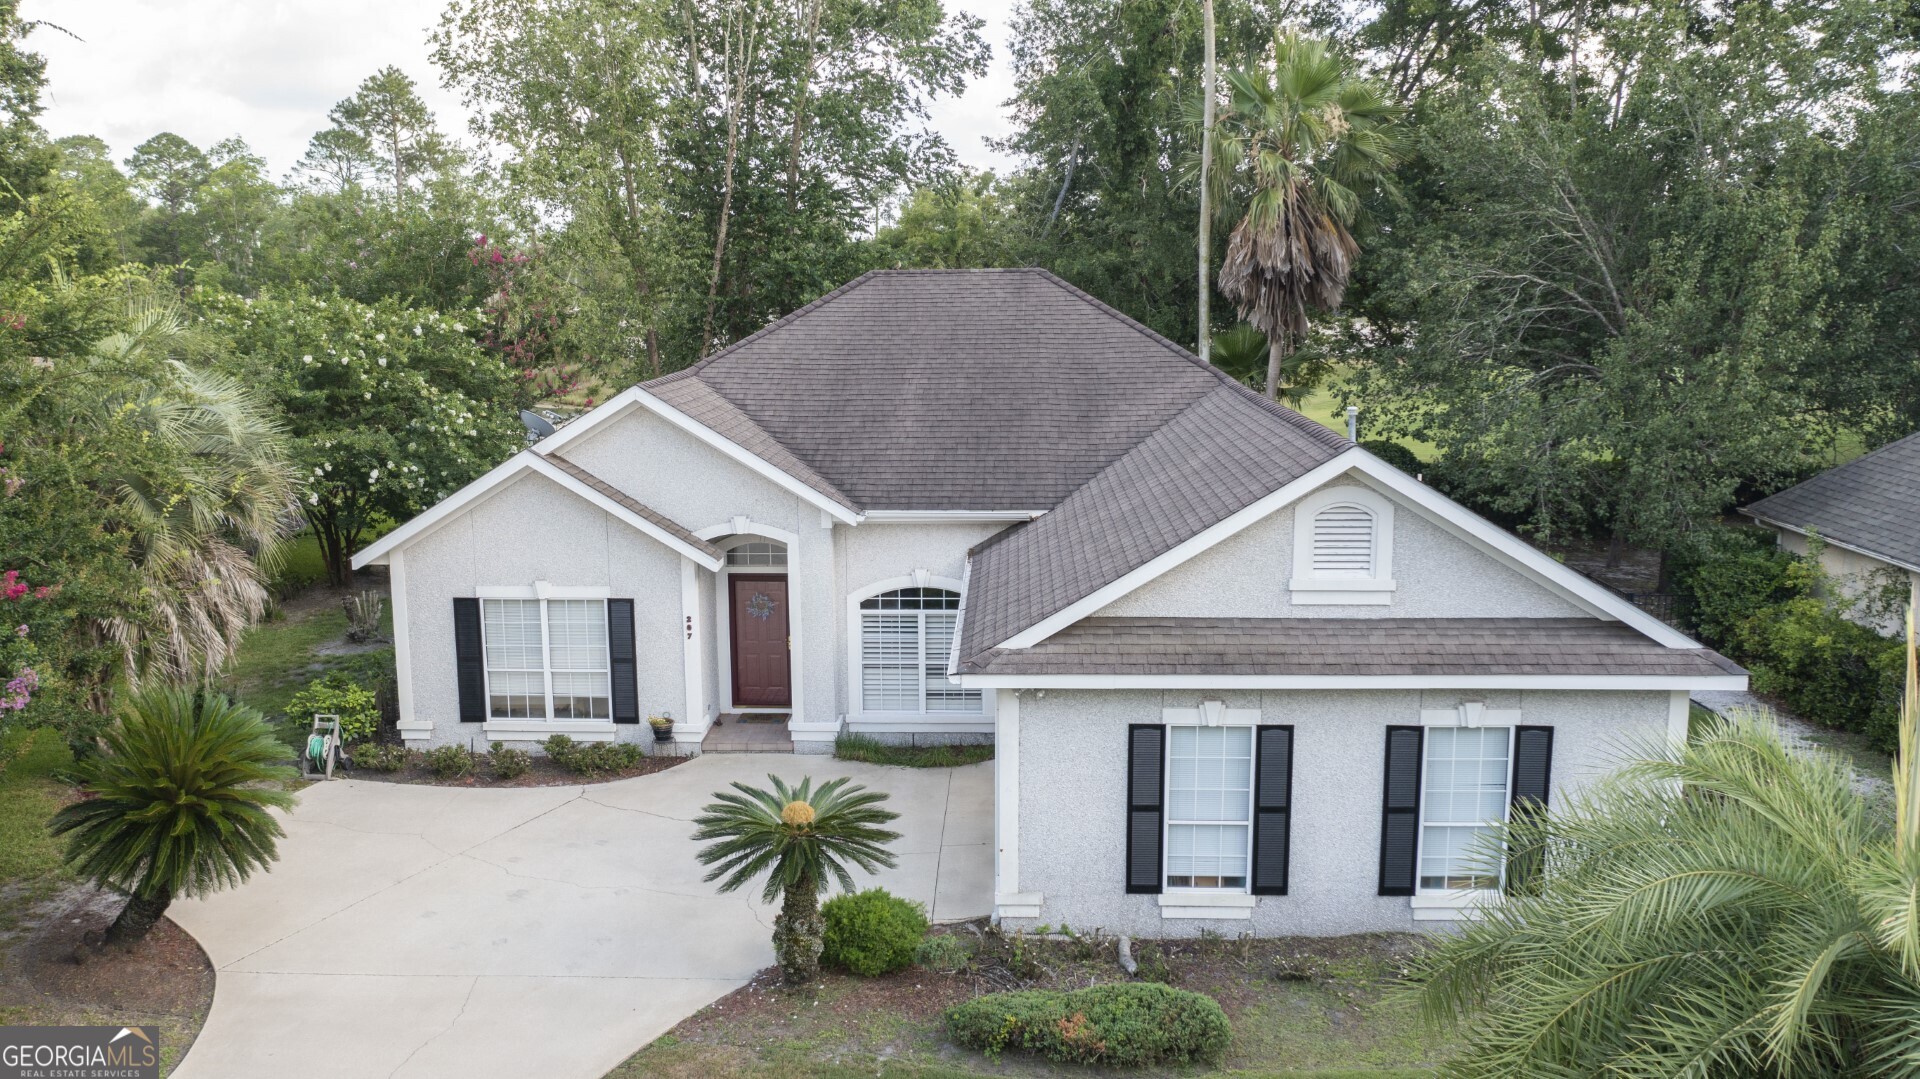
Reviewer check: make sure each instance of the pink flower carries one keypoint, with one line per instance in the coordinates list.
(19, 691)
(20, 631)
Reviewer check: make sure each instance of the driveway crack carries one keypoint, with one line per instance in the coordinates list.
(443, 1031)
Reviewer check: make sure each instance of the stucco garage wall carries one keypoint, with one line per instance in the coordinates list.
(1858, 577)
(699, 486)
(877, 551)
(1438, 575)
(1073, 758)
(535, 530)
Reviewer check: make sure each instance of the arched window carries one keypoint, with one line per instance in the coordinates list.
(1343, 547)
(905, 636)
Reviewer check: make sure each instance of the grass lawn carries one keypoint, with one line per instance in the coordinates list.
(1338, 1022)
(277, 659)
(30, 868)
(859, 747)
(1325, 406)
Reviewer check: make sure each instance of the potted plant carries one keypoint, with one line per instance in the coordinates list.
(662, 727)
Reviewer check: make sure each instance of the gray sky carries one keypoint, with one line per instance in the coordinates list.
(268, 70)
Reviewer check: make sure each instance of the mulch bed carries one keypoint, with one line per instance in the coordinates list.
(544, 773)
(52, 974)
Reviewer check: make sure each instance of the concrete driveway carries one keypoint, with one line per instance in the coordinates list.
(551, 931)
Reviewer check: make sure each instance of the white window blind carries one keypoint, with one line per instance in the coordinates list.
(1343, 541)
(1209, 806)
(1463, 796)
(905, 636)
(546, 658)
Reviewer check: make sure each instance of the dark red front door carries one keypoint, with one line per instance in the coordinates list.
(762, 676)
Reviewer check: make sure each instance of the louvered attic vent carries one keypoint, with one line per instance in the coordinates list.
(1343, 542)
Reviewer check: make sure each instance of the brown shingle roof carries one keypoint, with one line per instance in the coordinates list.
(652, 516)
(954, 389)
(1351, 647)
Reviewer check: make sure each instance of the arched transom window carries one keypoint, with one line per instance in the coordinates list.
(905, 636)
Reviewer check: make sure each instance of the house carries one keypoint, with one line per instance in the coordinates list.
(1866, 514)
(1240, 673)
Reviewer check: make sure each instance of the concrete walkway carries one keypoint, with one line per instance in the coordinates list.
(550, 931)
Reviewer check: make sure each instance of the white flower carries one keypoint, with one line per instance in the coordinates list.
(313, 500)
(379, 337)
(374, 475)
(458, 328)
(308, 358)
(368, 395)
(329, 463)
(383, 361)
(416, 331)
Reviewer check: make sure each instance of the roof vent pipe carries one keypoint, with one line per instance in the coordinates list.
(1353, 423)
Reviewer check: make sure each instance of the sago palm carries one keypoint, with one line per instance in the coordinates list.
(178, 803)
(1303, 140)
(800, 837)
(1731, 907)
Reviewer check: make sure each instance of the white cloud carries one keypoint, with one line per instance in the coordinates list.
(268, 70)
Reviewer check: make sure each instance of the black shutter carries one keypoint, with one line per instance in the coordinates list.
(1272, 808)
(1400, 816)
(626, 686)
(1532, 771)
(469, 673)
(1146, 779)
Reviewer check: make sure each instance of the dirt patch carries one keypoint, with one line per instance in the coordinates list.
(1295, 1004)
(544, 773)
(52, 975)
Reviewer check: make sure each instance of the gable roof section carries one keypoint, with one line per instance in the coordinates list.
(593, 489)
(1871, 504)
(1222, 455)
(1302, 651)
(948, 390)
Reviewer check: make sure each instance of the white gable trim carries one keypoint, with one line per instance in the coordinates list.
(522, 463)
(1830, 541)
(634, 397)
(1185, 552)
(1459, 520)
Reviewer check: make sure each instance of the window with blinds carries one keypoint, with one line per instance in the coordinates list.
(546, 659)
(905, 636)
(1343, 541)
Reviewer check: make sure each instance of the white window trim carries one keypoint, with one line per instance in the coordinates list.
(856, 672)
(1212, 903)
(542, 591)
(1452, 904)
(723, 616)
(1376, 590)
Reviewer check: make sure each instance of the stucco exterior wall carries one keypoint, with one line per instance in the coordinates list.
(1437, 574)
(698, 486)
(877, 551)
(1859, 578)
(535, 530)
(1072, 784)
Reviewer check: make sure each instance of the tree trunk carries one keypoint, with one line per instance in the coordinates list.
(137, 917)
(737, 98)
(800, 106)
(1206, 205)
(797, 933)
(1277, 349)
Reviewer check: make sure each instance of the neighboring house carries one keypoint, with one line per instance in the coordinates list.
(1866, 514)
(1240, 673)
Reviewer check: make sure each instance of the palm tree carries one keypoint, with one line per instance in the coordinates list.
(178, 803)
(1307, 139)
(1731, 907)
(206, 513)
(1242, 352)
(799, 837)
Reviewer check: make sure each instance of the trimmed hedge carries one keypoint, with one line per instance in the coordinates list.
(592, 759)
(1124, 1025)
(871, 932)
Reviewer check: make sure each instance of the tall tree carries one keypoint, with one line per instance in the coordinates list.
(167, 171)
(1208, 100)
(387, 116)
(1307, 141)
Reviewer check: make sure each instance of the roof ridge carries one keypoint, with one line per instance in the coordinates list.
(1292, 416)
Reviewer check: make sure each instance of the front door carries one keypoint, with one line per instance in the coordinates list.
(762, 674)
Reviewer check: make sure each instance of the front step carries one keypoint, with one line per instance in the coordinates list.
(748, 732)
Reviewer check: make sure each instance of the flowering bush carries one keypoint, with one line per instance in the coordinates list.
(391, 407)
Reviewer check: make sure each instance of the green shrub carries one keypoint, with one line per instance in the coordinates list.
(592, 758)
(448, 762)
(1124, 1025)
(871, 932)
(336, 694)
(943, 952)
(1394, 454)
(378, 757)
(505, 762)
(1728, 575)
